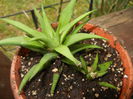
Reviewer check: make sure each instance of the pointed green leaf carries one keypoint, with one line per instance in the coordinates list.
(104, 67)
(106, 84)
(40, 20)
(37, 68)
(23, 27)
(84, 66)
(47, 26)
(56, 77)
(76, 30)
(66, 15)
(100, 74)
(67, 28)
(79, 37)
(79, 47)
(70, 63)
(95, 63)
(46, 58)
(67, 61)
(26, 78)
(64, 50)
(34, 33)
(47, 41)
(22, 41)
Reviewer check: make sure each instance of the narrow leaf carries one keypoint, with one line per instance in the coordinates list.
(26, 78)
(66, 15)
(84, 65)
(70, 63)
(100, 74)
(105, 84)
(46, 58)
(64, 50)
(79, 47)
(79, 37)
(67, 61)
(56, 77)
(47, 26)
(23, 27)
(46, 41)
(40, 20)
(104, 67)
(34, 33)
(67, 28)
(22, 41)
(36, 68)
(95, 63)
(76, 30)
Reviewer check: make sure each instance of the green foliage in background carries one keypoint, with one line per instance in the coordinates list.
(108, 6)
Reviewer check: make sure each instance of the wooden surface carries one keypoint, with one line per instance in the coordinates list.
(5, 91)
(121, 25)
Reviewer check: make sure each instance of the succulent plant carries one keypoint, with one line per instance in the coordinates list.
(54, 43)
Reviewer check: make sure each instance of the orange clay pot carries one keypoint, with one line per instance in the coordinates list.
(127, 87)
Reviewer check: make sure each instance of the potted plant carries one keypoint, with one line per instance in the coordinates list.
(67, 60)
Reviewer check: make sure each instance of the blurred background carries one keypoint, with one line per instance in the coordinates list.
(17, 10)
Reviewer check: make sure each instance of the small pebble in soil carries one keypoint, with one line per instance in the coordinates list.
(68, 96)
(105, 50)
(113, 69)
(29, 93)
(74, 82)
(121, 83)
(83, 98)
(39, 80)
(71, 87)
(29, 63)
(93, 89)
(50, 84)
(62, 83)
(31, 58)
(109, 55)
(22, 75)
(106, 58)
(55, 70)
(57, 92)
(34, 92)
(48, 95)
(125, 76)
(96, 95)
(86, 56)
(73, 75)
(89, 54)
(83, 79)
(104, 88)
(23, 57)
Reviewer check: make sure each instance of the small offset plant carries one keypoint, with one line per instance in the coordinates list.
(96, 70)
(55, 43)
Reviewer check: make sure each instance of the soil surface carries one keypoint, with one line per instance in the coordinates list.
(73, 84)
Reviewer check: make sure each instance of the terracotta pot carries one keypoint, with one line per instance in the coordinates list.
(127, 81)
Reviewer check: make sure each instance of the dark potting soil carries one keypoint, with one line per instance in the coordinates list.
(73, 84)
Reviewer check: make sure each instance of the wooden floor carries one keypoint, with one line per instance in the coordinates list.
(5, 91)
(119, 23)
